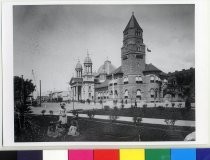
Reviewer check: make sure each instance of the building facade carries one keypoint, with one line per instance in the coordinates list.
(133, 80)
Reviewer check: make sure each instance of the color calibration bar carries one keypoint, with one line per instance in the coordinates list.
(109, 154)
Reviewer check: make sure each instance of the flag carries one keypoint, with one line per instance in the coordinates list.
(148, 50)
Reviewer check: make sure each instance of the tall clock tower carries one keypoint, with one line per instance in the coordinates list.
(133, 49)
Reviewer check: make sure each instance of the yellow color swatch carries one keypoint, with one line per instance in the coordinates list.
(132, 154)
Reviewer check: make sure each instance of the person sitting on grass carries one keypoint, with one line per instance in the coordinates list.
(60, 129)
(73, 129)
(51, 131)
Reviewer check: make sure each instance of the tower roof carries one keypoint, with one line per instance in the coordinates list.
(78, 66)
(132, 23)
(87, 59)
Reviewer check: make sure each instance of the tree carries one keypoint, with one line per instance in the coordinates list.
(22, 90)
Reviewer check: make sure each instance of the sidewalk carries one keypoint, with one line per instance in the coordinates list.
(185, 123)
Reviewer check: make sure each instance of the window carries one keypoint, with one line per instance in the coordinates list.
(156, 79)
(139, 56)
(152, 93)
(110, 84)
(139, 79)
(125, 80)
(115, 83)
(156, 93)
(138, 49)
(152, 79)
(111, 93)
(138, 33)
(138, 94)
(89, 89)
(115, 92)
(126, 93)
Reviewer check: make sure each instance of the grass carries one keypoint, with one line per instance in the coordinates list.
(101, 130)
(155, 112)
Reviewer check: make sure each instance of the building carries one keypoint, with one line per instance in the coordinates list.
(133, 80)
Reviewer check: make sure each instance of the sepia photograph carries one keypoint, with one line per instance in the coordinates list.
(104, 73)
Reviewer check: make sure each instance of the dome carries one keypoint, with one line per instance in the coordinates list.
(78, 66)
(106, 68)
(87, 59)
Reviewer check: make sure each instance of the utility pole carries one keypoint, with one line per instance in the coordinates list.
(22, 90)
(40, 99)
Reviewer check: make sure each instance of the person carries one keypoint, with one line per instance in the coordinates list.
(62, 115)
(51, 131)
(190, 137)
(73, 129)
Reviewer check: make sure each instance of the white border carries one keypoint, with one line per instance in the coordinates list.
(201, 63)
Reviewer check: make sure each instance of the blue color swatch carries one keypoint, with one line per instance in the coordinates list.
(183, 154)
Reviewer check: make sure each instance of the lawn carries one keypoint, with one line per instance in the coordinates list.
(155, 112)
(100, 130)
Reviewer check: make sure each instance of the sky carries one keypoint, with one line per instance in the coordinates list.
(51, 39)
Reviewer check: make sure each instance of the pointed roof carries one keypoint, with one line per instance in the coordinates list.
(87, 59)
(117, 71)
(150, 67)
(132, 23)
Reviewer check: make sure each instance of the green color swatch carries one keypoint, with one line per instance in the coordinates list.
(158, 154)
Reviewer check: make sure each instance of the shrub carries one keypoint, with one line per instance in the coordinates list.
(144, 106)
(161, 108)
(75, 113)
(88, 101)
(51, 112)
(170, 122)
(91, 114)
(137, 120)
(106, 108)
(113, 117)
(172, 104)
(180, 105)
(43, 112)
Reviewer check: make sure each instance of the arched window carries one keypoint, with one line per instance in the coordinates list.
(152, 93)
(156, 93)
(138, 94)
(126, 93)
(125, 80)
(139, 79)
(152, 79)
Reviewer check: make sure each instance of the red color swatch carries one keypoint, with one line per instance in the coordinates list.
(106, 154)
